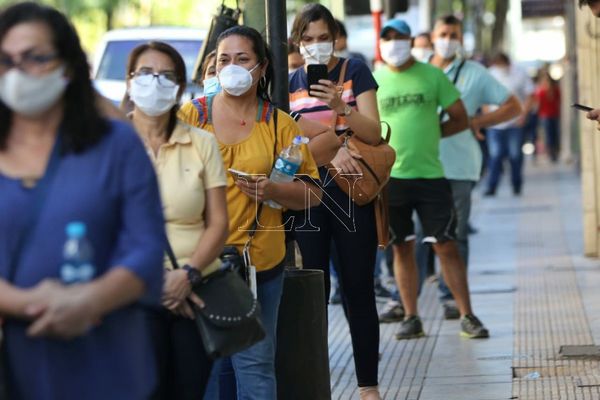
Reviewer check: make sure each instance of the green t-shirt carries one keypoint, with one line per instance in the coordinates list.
(409, 102)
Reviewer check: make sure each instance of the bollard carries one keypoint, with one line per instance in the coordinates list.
(302, 359)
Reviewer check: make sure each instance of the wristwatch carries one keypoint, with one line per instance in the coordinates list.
(347, 111)
(193, 275)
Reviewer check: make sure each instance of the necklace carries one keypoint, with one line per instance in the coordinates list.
(242, 121)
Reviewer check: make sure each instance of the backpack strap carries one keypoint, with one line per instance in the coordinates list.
(202, 106)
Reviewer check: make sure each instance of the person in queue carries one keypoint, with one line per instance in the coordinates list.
(63, 165)
(210, 82)
(355, 107)
(422, 47)
(195, 209)
(241, 117)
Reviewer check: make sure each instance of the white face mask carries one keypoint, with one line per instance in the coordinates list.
(422, 54)
(395, 52)
(153, 99)
(32, 95)
(446, 48)
(317, 53)
(236, 80)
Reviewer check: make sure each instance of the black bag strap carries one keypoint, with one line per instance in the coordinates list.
(254, 226)
(454, 82)
(40, 191)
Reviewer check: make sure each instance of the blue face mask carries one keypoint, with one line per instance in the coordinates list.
(212, 86)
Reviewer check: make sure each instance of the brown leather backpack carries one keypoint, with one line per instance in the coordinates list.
(376, 163)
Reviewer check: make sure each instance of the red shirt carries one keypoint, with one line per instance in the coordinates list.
(549, 101)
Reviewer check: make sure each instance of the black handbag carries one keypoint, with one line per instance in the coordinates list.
(229, 321)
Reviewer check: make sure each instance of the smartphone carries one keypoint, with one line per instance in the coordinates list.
(582, 107)
(315, 72)
(239, 174)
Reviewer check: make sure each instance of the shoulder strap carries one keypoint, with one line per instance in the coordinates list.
(460, 67)
(39, 196)
(340, 82)
(454, 81)
(201, 106)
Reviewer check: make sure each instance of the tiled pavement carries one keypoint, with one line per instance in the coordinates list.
(530, 285)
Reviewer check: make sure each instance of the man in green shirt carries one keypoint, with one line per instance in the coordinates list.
(409, 96)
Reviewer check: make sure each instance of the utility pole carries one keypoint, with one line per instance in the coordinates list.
(277, 37)
(269, 18)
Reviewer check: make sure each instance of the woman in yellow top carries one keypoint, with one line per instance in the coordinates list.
(241, 118)
(192, 184)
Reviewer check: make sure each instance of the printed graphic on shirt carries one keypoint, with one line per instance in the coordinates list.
(357, 80)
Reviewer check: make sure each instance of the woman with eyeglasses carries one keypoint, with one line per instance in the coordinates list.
(74, 326)
(192, 185)
(241, 117)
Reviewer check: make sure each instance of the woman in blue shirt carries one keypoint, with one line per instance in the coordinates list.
(87, 340)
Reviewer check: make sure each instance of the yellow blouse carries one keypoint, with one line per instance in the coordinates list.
(254, 155)
(186, 166)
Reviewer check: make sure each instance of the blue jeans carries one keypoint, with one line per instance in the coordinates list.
(461, 195)
(254, 368)
(504, 143)
(552, 137)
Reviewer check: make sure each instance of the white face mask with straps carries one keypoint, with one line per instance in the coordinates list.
(31, 95)
(446, 48)
(395, 52)
(153, 99)
(317, 53)
(236, 80)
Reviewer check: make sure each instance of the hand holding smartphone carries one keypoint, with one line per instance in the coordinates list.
(240, 174)
(316, 72)
(581, 107)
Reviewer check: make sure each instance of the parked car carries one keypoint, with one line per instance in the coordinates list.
(110, 60)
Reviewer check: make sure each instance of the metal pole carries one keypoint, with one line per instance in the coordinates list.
(277, 38)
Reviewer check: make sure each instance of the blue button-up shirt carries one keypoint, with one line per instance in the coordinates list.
(111, 187)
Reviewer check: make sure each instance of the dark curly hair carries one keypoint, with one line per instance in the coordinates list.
(82, 124)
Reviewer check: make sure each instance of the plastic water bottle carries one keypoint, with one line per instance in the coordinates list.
(287, 165)
(78, 255)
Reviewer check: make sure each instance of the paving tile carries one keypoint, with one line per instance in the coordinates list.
(530, 285)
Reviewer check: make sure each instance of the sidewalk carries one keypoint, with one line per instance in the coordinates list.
(530, 285)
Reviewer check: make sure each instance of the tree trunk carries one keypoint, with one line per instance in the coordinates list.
(109, 18)
(501, 9)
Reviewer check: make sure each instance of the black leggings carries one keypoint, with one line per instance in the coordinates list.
(356, 253)
(183, 365)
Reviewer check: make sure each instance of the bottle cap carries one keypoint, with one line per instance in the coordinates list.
(301, 140)
(76, 229)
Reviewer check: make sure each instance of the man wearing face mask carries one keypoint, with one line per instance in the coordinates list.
(409, 95)
(422, 47)
(461, 154)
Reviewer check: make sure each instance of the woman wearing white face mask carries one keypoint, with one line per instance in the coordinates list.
(351, 104)
(241, 118)
(192, 182)
(64, 165)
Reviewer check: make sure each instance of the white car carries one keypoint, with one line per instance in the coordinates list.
(110, 60)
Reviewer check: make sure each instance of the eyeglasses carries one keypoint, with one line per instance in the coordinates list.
(29, 63)
(144, 77)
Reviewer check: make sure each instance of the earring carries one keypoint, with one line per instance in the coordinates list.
(262, 82)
